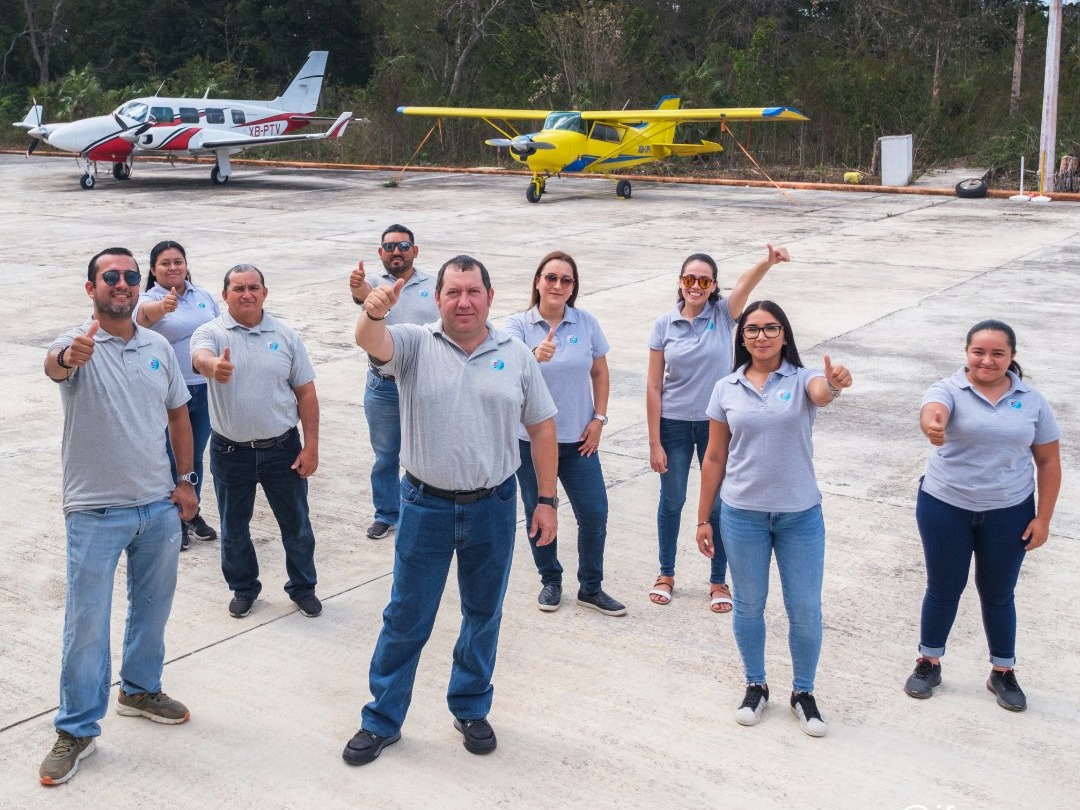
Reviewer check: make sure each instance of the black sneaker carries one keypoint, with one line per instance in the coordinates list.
(753, 704)
(240, 606)
(479, 735)
(365, 747)
(1009, 694)
(805, 708)
(920, 684)
(379, 529)
(185, 537)
(309, 605)
(63, 761)
(602, 602)
(200, 529)
(550, 597)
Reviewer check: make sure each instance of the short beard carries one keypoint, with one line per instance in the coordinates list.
(118, 310)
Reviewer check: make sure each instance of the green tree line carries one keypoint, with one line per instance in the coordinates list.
(964, 77)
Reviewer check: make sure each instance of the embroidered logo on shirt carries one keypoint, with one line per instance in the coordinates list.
(783, 396)
(153, 364)
(202, 305)
(423, 293)
(572, 340)
(1015, 404)
(273, 345)
(498, 365)
(712, 324)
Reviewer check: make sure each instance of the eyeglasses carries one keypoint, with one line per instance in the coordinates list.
(131, 277)
(771, 330)
(551, 278)
(390, 247)
(702, 281)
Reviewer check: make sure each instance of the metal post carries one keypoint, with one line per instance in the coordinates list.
(1048, 136)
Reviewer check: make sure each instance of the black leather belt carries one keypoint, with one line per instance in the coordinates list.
(380, 375)
(455, 495)
(258, 444)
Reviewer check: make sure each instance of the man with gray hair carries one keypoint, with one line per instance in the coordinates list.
(261, 383)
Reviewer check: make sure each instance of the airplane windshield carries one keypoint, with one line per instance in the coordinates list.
(134, 110)
(570, 121)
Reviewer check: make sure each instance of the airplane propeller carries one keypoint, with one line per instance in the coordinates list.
(132, 135)
(37, 133)
(522, 145)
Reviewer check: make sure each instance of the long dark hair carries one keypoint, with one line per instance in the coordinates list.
(991, 325)
(714, 296)
(789, 352)
(156, 251)
(553, 256)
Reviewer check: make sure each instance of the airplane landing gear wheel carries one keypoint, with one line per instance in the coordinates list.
(216, 178)
(622, 189)
(121, 171)
(535, 191)
(87, 181)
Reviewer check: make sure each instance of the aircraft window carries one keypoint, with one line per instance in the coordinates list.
(603, 132)
(238, 116)
(189, 115)
(135, 110)
(565, 121)
(215, 116)
(163, 115)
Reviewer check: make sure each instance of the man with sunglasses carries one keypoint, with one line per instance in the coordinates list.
(416, 305)
(121, 387)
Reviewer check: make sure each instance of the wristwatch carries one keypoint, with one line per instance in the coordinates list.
(188, 478)
(552, 502)
(601, 418)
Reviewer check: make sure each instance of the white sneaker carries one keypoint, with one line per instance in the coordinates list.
(805, 708)
(753, 704)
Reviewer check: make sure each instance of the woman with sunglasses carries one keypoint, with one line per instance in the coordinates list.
(760, 460)
(689, 350)
(570, 347)
(175, 307)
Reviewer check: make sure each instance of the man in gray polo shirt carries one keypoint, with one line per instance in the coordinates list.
(121, 387)
(416, 304)
(465, 388)
(260, 383)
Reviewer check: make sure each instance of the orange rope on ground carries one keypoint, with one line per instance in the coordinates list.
(724, 128)
(437, 125)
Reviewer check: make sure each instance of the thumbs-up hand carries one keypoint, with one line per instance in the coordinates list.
(935, 429)
(777, 255)
(221, 367)
(838, 376)
(381, 299)
(546, 350)
(82, 348)
(358, 283)
(170, 301)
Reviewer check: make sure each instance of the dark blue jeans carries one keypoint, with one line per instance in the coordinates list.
(583, 483)
(951, 537)
(199, 415)
(237, 471)
(681, 440)
(431, 531)
(384, 429)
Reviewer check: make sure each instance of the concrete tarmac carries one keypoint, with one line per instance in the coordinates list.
(592, 711)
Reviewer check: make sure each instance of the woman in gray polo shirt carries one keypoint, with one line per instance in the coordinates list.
(760, 458)
(977, 498)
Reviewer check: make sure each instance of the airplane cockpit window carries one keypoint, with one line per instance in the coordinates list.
(238, 116)
(135, 110)
(189, 115)
(603, 132)
(215, 115)
(163, 115)
(569, 121)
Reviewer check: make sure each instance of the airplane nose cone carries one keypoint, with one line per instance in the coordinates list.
(40, 133)
(79, 135)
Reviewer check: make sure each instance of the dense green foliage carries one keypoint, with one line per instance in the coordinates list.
(939, 69)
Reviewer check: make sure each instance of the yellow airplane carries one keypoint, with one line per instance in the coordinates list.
(602, 141)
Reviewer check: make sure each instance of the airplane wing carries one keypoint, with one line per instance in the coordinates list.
(476, 112)
(690, 116)
(225, 140)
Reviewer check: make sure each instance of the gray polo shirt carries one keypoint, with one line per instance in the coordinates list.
(578, 342)
(416, 304)
(194, 307)
(270, 361)
(986, 460)
(770, 466)
(115, 418)
(696, 354)
(460, 413)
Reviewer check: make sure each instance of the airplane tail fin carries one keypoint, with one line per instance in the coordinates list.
(302, 94)
(33, 118)
(668, 103)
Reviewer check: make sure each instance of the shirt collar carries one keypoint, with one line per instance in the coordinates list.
(267, 324)
(570, 315)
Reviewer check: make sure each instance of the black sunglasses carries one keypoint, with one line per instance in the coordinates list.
(404, 247)
(131, 277)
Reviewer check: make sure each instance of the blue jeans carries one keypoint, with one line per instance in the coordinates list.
(798, 541)
(431, 531)
(150, 537)
(384, 428)
(199, 416)
(237, 471)
(680, 439)
(583, 483)
(950, 537)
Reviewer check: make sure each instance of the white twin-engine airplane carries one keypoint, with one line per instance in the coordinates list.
(189, 126)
